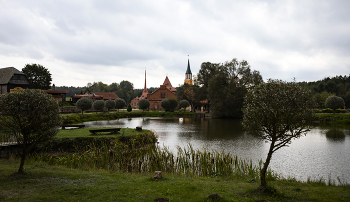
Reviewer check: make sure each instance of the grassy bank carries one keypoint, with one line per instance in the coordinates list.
(336, 119)
(79, 118)
(44, 182)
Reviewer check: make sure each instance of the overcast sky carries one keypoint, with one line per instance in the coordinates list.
(83, 41)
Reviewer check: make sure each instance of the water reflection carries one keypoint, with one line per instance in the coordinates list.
(323, 151)
(335, 134)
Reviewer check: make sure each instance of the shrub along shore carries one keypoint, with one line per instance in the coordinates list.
(79, 118)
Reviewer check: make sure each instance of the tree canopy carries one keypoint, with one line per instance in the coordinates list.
(98, 105)
(277, 112)
(144, 104)
(119, 103)
(334, 102)
(84, 104)
(38, 76)
(110, 104)
(227, 85)
(30, 116)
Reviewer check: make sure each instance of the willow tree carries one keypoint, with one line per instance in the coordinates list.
(30, 116)
(277, 111)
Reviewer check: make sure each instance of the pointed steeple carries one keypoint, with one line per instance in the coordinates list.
(145, 91)
(188, 75)
(145, 88)
(188, 71)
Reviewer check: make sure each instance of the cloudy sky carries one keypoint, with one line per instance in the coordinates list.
(83, 41)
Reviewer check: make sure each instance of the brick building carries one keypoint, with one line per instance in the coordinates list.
(165, 91)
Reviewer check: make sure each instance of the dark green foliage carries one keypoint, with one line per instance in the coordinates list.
(184, 104)
(99, 105)
(334, 102)
(30, 116)
(173, 104)
(227, 87)
(38, 76)
(165, 104)
(277, 112)
(129, 109)
(84, 104)
(144, 104)
(119, 103)
(110, 104)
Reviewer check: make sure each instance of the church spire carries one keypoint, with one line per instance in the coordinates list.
(188, 75)
(145, 82)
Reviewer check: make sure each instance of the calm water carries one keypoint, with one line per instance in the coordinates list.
(322, 152)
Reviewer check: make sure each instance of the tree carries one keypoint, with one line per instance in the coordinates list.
(119, 103)
(125, 90)
(129, 109)
(110, 104)
(31, 116)
(320, 98)
(165, 104)
(334, 102)
(38, 76)
(144, 104)
(277, 112)
(173, 104)
(84, 104)
(228, 86)
(184, 104)
(98, 105)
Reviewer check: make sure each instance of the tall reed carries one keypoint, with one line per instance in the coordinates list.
(149, 158)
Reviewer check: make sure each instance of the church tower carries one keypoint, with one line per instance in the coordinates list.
(188, 77)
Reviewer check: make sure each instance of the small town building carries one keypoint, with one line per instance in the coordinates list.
(188, 74)
(96, 96)
(165, 91)
(11, 78)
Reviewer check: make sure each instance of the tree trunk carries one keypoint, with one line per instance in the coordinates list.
(266, 164)
(23, 157)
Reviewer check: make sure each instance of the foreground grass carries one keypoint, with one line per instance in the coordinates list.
(53, 183)
(84, 132)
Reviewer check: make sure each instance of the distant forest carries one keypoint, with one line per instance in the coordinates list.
(338, 85)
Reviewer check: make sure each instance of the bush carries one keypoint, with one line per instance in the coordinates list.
(184, 103)
(173, 104)
(340, 110)
(84, 104)
(119, 103)
(129, 109)
(144, 104)
(110, 104)
(99, 105)
(327, 110)
(165, 104)
(334, 102)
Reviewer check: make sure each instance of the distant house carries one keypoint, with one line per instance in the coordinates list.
(11, 78)
(59, 95)
(165, 91)
(96, 96)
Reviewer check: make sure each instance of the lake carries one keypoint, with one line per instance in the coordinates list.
(323, 152)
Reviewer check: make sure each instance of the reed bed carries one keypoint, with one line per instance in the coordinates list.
(149, 158)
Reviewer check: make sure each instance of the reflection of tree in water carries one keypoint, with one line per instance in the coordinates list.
(335, 134)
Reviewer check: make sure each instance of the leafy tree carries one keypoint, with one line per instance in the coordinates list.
(228, 86)
(165, 104)
(119, 103)
(38, 76)
(125, 90)
(98, 105)
(173, 104)
(194, 94)
(320, 98)
(184, 104)
(277, 112)
(30, 116)
(129, 109)
(144, 104)
(84, 104)
(110, 104)
(334, 102)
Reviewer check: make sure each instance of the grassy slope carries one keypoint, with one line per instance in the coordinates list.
(84, 132)
(52, 183)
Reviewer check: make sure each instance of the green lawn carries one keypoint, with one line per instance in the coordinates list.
(53, 183)
(84, 132)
